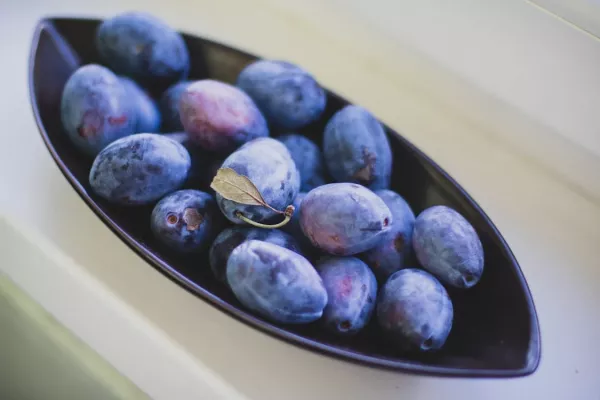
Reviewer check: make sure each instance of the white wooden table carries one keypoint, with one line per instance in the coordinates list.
(503, 95)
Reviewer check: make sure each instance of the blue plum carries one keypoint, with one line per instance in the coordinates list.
(344, 218)
(231, 238)
(308, 158)
(390, 255)
(351, 292)
(415, 311)
(144, 48)
(448, 246)
(357, 149)
(139, 169)
(169, 107)
(268, 164)
(288, 96)
(276, 283)
(220, 117)
(186, 220)
(146, 109)
(95, 109)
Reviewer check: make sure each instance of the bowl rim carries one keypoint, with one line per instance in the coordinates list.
(533, 357)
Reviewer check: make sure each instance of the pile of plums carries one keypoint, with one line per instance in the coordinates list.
(343, 255)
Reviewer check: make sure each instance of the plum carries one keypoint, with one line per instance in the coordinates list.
(139, 169)
(269, 166)
(415, 311)
(276, 283)
(95, 109)
(288, 96)
(220, 117)
(344, 218)
(390, 255)
(448, 246)
(186, 220)
(230, 238)
(351, 292)
(143, 47)
(357, 149)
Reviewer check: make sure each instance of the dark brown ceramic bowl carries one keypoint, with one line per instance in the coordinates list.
(495, 331)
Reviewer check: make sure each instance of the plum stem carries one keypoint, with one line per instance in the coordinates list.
(289, 211)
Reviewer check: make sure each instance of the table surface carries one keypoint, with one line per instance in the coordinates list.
(515, 124)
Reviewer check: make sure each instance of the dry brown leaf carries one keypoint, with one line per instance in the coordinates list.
(236, 187)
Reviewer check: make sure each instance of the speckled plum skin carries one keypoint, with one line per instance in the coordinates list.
(351, 292)
(288, 96)
(276, 283)
(144, 48)
(357, 149)
(389, 256)
(169, 106)
(95, 109)
(146, 110)
(414, 311)
(448, 246)
(344, 218)
(268, 164)
(186, 220)
(139, 169)
(231, 238)
(220, 117)
(308, 158)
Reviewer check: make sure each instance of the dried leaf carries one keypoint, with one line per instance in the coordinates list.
(236, 187)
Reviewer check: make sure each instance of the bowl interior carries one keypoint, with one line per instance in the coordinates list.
(495, 330)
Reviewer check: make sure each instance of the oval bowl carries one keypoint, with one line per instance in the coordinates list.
(495, 331)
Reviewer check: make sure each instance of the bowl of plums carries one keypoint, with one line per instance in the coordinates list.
(248, 183)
